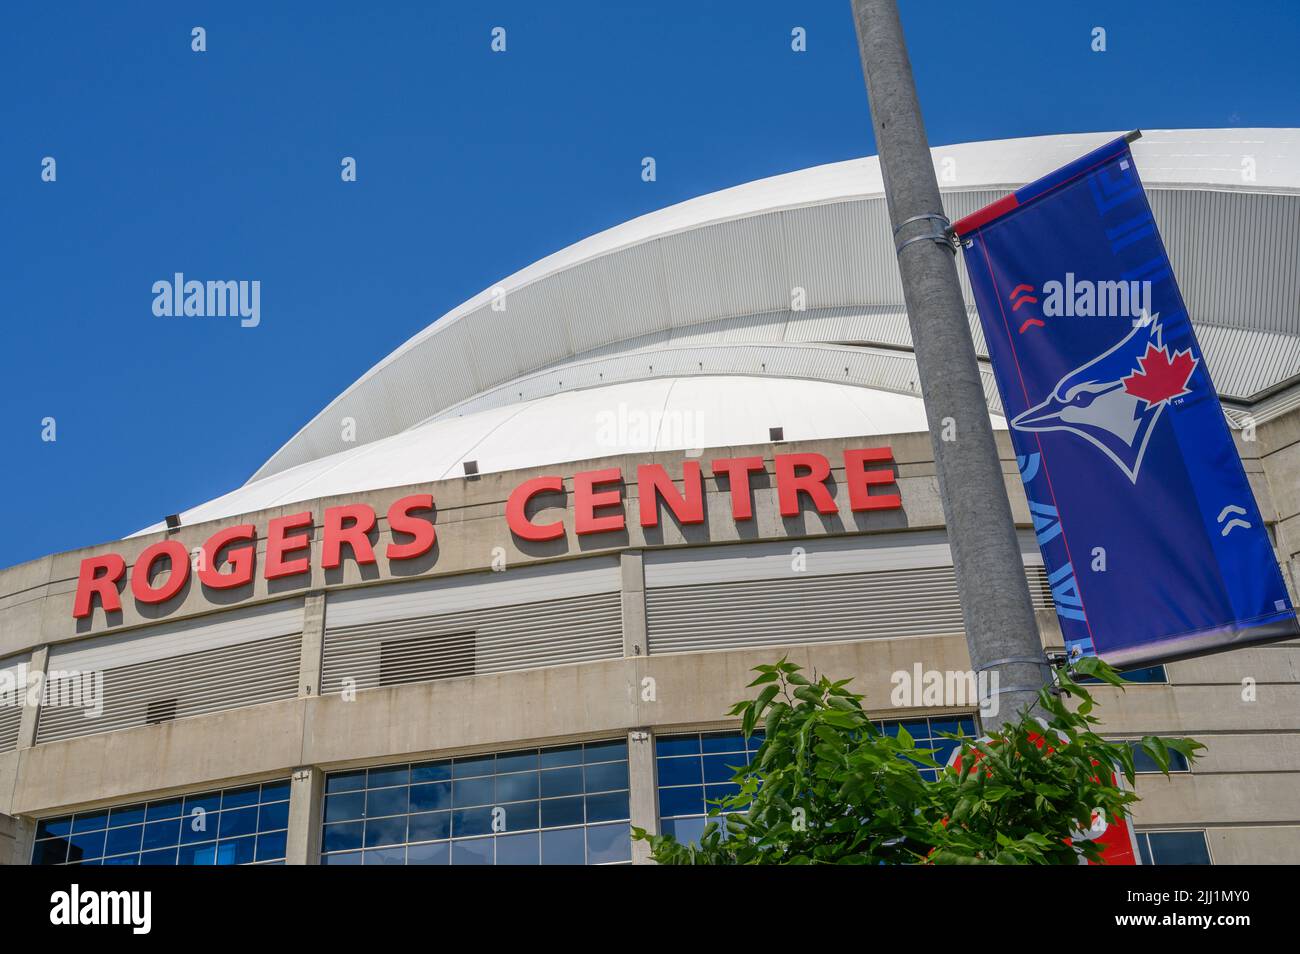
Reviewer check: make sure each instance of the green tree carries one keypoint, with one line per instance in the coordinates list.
(829, 786)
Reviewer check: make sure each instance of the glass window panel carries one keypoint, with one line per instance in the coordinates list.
(520, 816)
(166, 856)
(472, 851)
(241, 821)
(474, 791)
(677, 745)
(430, 797)
(714, 742)
(607, 807)
(275, 792)
(89, 821)
(386, 856)
(564, 846)
(557, 812)
(1144, 849)
(429, 826)
(123, 860)
(522, 849)
(347, 858)
(469, 768)
(50, 827)
(199, 826)
(130, 815)
(122, 840)
(86, 845)
(240, 797)
(562, 781)
(517, 788)
(517, 761)
(164, 834)
(681, 801)
(471, 821)
(606, 776)
(273, 816)
(386, 801)
(271, 846)
(1179, 847)
(341, 837)
(385, 831)
(52, 851)
(435, 853)
(168, 808)
(687, 831)
(389, 775)
(680, 771)
(208, 802)
(238, 851)
(722, 768)
(204, 854)
(605, 751)
(561, 755)
(609, 843)
(345, 807)
(714, 792)
(431, 771)
(345, 781)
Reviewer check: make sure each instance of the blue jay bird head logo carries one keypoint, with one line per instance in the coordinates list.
(1114, 400)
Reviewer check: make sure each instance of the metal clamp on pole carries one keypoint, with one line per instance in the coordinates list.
(1038, 661)
(943, 233)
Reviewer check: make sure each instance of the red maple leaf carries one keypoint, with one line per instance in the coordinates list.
(1160, 377)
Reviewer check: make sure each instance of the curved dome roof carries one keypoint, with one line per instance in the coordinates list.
(744, 305)
(727, 269)
(668, 413)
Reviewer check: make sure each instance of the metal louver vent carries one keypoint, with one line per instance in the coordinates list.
(443, 646)
(162, 710)
(12, 691)
(918, 601)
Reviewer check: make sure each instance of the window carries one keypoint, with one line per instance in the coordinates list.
(233, 826)
(1151, 675)
(559, 805)
(1173, 847)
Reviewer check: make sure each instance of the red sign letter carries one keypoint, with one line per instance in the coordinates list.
(586, 501)
(517, 506)
(738, 470)
(422, 530)
(348, 525)
(143, 591)
(90, 581)
(860, 480)
(278, 544)
(789, 485)
(653, 482)
(241, 559)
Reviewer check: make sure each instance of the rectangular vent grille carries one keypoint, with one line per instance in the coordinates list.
(499, 639)
(10, 717)
(812, 609)
(211, 680)
(11, 705)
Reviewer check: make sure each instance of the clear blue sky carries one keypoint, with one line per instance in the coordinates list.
(225, 165)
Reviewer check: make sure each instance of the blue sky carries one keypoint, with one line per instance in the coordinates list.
(225, 165)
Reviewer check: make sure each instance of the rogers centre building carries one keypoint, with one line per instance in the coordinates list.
(493, 602)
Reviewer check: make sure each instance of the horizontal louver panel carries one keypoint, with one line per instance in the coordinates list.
(212, 680)
(13, 688)
(919, 601)
(442, 646)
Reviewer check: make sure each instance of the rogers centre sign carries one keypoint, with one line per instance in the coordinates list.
(228, 559)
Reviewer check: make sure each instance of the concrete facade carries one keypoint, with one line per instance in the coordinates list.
(1245, 705)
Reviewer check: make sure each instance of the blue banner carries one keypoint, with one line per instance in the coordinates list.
(1153, 544)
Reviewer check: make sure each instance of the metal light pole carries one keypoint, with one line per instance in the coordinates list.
(999, 618)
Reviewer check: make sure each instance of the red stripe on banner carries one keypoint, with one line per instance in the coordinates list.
(986, 215)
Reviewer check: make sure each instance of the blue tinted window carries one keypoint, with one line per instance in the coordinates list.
(525, 806)
(1174, 848)
(1145, 763)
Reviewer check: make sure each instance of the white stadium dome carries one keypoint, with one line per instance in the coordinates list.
(776, 303)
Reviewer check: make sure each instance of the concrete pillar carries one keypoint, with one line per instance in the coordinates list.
(39, 663)
(634, 625)
(644, 784)
(16, 840)
(313, 643)
(306, 791)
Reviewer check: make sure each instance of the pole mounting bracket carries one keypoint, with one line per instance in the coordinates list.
(941, 232)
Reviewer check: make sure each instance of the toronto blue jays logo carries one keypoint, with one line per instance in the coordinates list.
(1115, 400)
